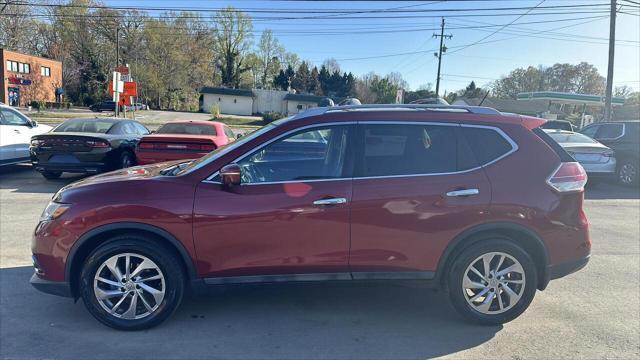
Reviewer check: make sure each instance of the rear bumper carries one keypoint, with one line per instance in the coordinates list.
(563, 269)
(600, 169)
(83, 168)
(59, 288)
(153, 157)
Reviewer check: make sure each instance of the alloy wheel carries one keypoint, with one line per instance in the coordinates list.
(129, 286)
(493, 283)
(627, 173)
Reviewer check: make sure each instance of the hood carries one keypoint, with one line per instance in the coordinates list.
(135, 177)
(41, 129)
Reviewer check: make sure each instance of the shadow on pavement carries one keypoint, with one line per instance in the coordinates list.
(24, 179)
(286, 321)
(606, 190)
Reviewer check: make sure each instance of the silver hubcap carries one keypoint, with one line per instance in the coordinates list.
(493, 283)
(129, 286)
(627, 173)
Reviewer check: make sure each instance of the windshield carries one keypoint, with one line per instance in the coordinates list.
(85, 126)
(571, 138)
(194, 165)
(188, 129)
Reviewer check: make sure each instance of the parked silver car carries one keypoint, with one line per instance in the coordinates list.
(597, 159)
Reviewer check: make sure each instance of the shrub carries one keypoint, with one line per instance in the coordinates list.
(215, 111)
(269, 117)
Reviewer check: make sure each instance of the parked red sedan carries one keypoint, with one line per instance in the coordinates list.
(179, 140)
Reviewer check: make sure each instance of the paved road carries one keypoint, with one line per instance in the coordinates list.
(591, 314)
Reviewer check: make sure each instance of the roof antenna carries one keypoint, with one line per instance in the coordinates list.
(485, 96)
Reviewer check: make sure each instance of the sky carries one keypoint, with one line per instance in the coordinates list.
(393, 42)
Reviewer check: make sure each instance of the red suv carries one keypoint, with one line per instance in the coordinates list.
(482, 204)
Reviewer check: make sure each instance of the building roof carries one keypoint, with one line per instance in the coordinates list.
(226, 91)
(530, 107)
(304, 97)
(569, 98)
(3, 51)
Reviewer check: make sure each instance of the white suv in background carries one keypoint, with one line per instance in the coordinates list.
(16, 131)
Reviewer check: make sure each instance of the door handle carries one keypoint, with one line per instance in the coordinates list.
(464, 192)
(331, 201)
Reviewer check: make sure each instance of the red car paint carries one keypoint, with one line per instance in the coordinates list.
(156, 148)
(391, 225)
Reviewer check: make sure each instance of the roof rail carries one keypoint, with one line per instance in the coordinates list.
(415, 107)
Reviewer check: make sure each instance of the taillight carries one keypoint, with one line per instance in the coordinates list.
(145, 146)
(568, 177)
(97, 144)
(207, 147)
(609, 154)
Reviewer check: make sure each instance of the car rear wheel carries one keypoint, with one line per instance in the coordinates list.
(131, 283)
(51, 175)
(628, 172)
(126, 160)
(492, 282)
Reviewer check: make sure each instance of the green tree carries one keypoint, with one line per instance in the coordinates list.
(269, 48)
(232, 34)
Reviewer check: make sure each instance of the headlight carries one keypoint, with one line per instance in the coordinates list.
(53, 211)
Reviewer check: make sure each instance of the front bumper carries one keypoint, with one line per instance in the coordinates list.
(59, 288)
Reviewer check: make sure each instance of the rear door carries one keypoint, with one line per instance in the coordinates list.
(16, 135)
(416, 186)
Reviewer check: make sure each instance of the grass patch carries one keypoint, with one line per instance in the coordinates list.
(55, 115)
(240, 121)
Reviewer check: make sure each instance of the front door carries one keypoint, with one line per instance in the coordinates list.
(289, 219)
(16, 136)
(414, 188)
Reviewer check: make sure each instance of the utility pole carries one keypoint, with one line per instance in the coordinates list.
(118, 46)
(612, 48)
(441, 49)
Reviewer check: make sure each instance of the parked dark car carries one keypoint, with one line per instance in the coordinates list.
(482, 204)
(624, 138)
(559, 125)
(86, 146)
(103, 106)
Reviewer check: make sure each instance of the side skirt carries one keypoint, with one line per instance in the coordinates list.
(320, 277)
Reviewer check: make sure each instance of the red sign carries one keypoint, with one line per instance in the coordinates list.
(130, 89)
(19, 81)
(123, 70)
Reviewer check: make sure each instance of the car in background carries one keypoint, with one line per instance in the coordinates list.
(481, 204)
(103, 106)
(86, 146)
(597, 159)
(16, 130)
(137, 106)
(559, 125)
(178, 140)
(623, 137)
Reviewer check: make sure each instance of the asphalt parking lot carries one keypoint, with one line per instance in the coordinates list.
(594, 313)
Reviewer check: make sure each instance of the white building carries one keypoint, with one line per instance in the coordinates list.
(231, 101)
(248, 102)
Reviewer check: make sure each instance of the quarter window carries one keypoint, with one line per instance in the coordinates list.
(487, 144)
(307, 155)
(590, 131)
(408, 150)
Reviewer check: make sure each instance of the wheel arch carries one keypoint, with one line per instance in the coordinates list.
(95, 237)
(520, 235)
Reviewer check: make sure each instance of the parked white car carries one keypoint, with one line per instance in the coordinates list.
(16, 130)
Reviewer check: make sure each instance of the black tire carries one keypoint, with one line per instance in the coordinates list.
(628, 172)
(163, 257)
(466, 257)
(126, 160)
(51, 175)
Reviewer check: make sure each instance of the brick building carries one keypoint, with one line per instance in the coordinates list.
(27, 78)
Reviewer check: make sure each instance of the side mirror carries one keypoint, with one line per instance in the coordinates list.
(238, 136)
(231, 175)
(34, 123)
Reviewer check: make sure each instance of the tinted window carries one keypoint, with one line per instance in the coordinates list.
(570, 137)
(186, 128)
(141, 129)
(487, 144)
(229, 133)
(88, 126)
(590, 131)
(610, 131)
(307, 155)
(408, 149)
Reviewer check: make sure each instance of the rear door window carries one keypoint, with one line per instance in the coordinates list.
(407, 149)
(610, 131)
(590, 131)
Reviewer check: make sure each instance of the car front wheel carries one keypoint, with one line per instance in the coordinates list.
(131, 283)
(492, 282)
